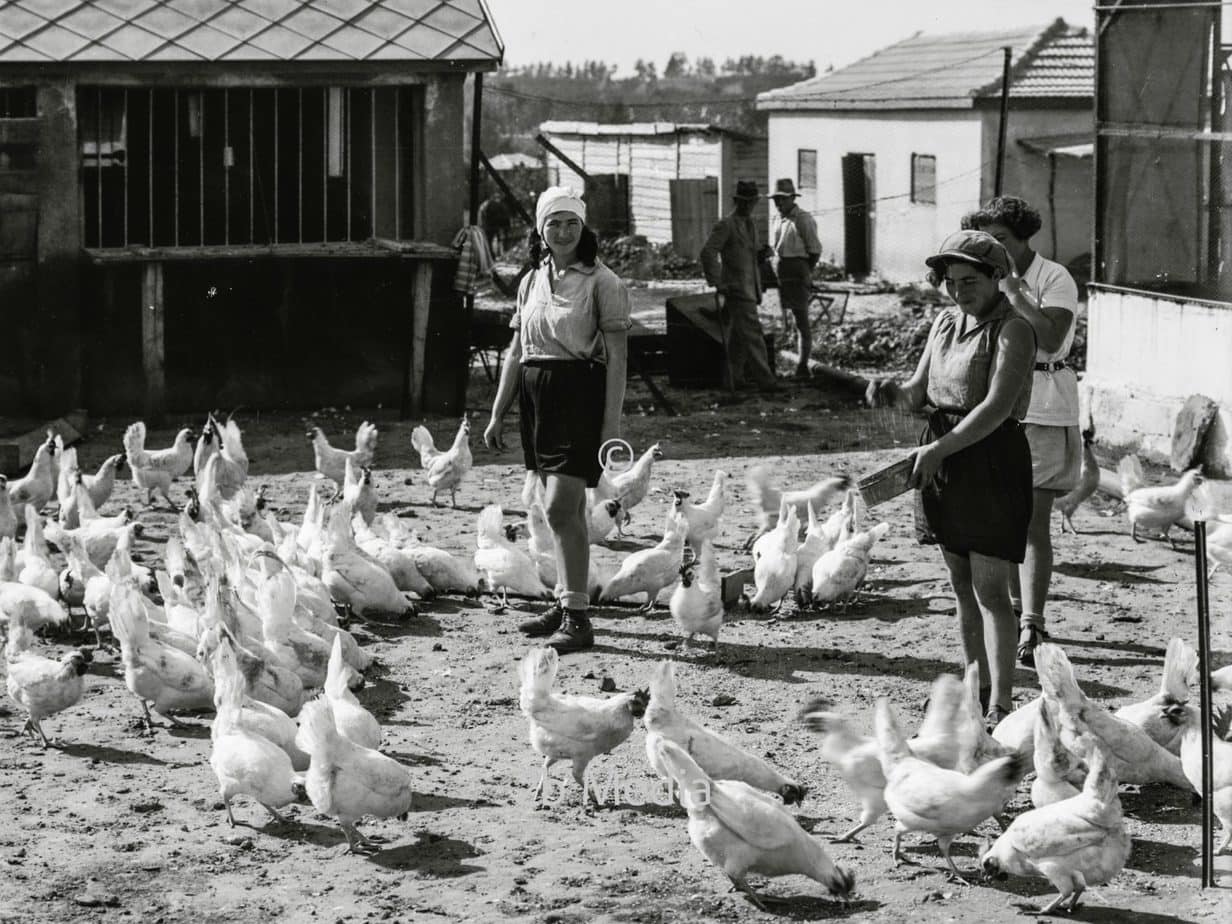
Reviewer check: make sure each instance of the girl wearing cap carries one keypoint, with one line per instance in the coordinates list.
(973, 467)
(566, 365)
(1044, 294)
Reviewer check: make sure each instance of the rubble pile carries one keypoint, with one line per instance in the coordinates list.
(633, 257)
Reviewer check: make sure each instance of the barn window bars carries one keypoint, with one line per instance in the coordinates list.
(173, 167)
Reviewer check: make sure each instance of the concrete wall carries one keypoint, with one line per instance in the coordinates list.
(1145, 355)
(1026, 175)
(903, 232)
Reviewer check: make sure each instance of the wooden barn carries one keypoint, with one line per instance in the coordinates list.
(209, 203)
(667, 181)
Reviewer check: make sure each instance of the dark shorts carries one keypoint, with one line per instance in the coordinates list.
(561, 408)
(980, 499)
(795, 282)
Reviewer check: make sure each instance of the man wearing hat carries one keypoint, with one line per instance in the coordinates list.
(729, 260)
(797, 250)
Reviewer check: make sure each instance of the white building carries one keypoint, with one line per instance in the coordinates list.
(890, 152)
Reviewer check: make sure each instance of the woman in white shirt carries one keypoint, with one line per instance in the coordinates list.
(1045, 295)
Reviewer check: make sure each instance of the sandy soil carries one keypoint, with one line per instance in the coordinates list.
(113, 825)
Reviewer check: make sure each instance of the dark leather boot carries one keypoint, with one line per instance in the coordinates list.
(545, 623)
(575, 633)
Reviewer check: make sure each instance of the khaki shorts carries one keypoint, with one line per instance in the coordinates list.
(1056, 456)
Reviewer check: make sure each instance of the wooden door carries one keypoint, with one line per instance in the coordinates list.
(858, 213)
(695, 209)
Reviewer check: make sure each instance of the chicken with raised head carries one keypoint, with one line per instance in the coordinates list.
(100, 485)
(568, 727)
(38, 486)
(1188, 718)
(839, 573)
(8, 518)
(704, 519)
(601, 518)
(774, 562)
(1136, 758)
(630, 486)
(1088, 480)
(245, 762)
(696, 604)
(1057, 770)
(820, 536)
(1180, 671)
(357, 490)
(331, 461)
(652, 570)
(741, 830)
(354, 578)
(98, 537)
(155, 672)
(232, 466)
(767, 498)
(720, 758)
(351, 719)
(155, 469)
(944, 803)
(1154, 508)
(347, 781)
(1074, 844)
(504, 566)
(446, 469)
(39, 685)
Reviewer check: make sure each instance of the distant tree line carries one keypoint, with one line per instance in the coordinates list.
(517, 99)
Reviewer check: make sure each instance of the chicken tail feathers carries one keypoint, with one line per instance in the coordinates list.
(538, 672)
(1180, 669)
(663, 686)
(128, 619)
(889, 736)
(1101, 782)
(489, 525)
(365, 437)
(316, 727)
(1131, 473)
(760, 490)
(421, 439)
(1056, 676)
(228, 688)
(692, 782)
(232, 441)
(134, 443)
(335, 674)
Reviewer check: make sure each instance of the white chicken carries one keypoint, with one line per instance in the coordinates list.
(774, 562)
(447, 469)
(601, 518)
(650, 571)
(8, 519)
(720, 758)
(353, 578)
(156, 672)
(38, 486)
(99, 486)
(573, 728)
(347, 781)
(1017, 730)
(33, 561)
(39, 685)
(331, 462)
(1188, 719)
(154, 470)
(1154, 508)
(1180, 670)
(266, 681)
(696, 604)
(945, 803)
(542, 551)
(741, 830)
(1135, 757)
(352, 720)
(399, 562)
(504, 566)
(36, 607)
(839, 573)
(297, 649)
(1055, 766)
(224, 442)
(1075, 843)
(704, 519)
(244, 762)
(768, 499)
(819, 537)
(357, 490)
(630, 486)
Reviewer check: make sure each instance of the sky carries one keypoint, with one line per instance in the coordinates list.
(825, 31)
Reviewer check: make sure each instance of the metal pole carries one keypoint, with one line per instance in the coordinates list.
(1204, 707)
(1005, 112)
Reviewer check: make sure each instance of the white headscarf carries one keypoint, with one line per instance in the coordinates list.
(558, 199)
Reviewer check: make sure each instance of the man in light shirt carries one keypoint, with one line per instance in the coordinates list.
(796, 250)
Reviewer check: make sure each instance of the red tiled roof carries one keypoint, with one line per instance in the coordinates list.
(951, 71)
(248, 30)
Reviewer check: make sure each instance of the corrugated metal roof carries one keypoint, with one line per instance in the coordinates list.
(248, 30)
(641, 129)
(951, 71)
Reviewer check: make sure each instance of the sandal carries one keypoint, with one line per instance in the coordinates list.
(994, 717)
(1030, 636)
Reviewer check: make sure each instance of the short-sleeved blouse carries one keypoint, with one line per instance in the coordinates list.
(565, 317)
(961, 351)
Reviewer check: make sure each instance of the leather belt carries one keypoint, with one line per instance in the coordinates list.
(1050, 367)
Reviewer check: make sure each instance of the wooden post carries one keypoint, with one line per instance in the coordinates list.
(153, 343)
(421, 299)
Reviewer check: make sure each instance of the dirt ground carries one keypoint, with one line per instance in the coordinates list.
(113, 825)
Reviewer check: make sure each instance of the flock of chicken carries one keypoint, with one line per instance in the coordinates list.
(241, 616)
